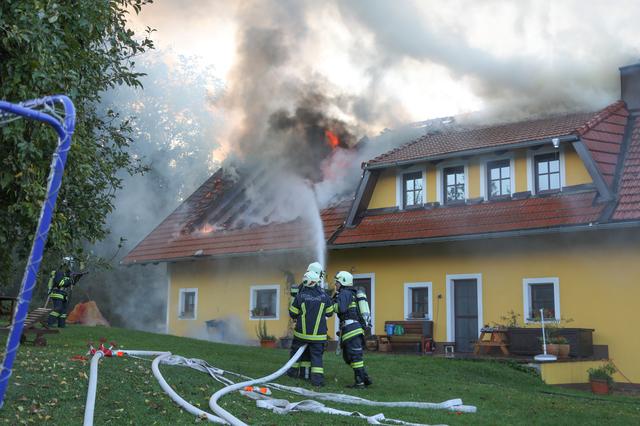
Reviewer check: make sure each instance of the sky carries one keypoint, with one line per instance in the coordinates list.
(422, 59)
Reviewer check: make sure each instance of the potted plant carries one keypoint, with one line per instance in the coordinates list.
(266, 340)
(601, 378)
(563, 346)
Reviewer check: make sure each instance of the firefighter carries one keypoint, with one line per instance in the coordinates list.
(301, 368)
(310, 309)
(60, 283)
(352, 324)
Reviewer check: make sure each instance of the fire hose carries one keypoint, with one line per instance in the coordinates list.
(278, 406)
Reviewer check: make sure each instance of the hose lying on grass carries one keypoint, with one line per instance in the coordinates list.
(276, 405)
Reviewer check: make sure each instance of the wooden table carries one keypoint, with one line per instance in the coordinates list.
(492, 338)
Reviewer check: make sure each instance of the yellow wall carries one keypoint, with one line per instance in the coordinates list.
(384, 194)
(432, 191)
(559, 373)
(576, 172)
(224, 289)
(474, 179)
(599, 276)
(520, 164)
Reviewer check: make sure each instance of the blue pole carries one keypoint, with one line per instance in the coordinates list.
(64, 130)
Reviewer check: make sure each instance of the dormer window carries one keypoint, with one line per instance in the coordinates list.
(413, 190)
(454, 184)
(547, 172)
(499, 178)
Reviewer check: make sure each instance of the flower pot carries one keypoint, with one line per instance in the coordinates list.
(600, 387)
(563, 350)
(552, 349)
(272, 344)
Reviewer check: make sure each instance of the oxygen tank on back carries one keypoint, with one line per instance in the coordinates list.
(363, 307)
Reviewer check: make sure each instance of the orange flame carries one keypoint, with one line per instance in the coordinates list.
(332, 139)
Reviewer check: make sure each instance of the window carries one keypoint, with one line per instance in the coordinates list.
(498, 178)
(188, 303)
(541, 293)
(412, 189)
(417, 301)
(454, 183)
(547, 172)
(265, 302)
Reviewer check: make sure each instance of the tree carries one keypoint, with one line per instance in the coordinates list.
(81, 49)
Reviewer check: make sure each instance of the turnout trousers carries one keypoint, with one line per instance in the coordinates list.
(352, 353)
(59, 314)
(310, 359)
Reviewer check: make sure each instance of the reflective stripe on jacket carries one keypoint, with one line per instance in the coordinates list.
(310, 309)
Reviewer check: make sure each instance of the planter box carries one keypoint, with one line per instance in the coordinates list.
(525, 341)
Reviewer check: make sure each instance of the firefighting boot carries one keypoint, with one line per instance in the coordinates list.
(359, 378)
(366, 379)
(62, 321)
(294, 372)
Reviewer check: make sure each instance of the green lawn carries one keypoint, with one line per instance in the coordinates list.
(48, 387)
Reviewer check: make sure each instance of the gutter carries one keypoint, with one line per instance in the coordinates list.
(212, 257)
(489, 235)
(470, 152)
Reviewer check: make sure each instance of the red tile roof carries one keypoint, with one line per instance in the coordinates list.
(629, 188)
(180, 236)
(603, 135)
(456, 140)
(449, 221)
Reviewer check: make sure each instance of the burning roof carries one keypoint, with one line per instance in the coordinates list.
(213, 221)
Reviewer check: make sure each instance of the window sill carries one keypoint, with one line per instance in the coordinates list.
(186, 318)
(500, 198)
(548, 192)
(455, 203)
(273, 317)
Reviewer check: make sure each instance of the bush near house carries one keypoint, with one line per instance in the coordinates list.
(48, 387)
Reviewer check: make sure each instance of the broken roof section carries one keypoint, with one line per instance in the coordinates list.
(207, 225)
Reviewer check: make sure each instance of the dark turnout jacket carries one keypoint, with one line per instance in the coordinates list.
(310, 309)
(346, 308)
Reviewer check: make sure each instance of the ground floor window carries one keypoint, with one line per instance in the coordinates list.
(265, 302)
(417, 301)
(541, 293)
(188, 303)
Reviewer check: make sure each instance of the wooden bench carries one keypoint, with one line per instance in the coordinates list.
(415, 332)
(35, 323)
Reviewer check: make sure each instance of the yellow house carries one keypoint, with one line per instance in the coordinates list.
(460, 227)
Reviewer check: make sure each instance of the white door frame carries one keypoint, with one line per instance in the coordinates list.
(372, 302)
(451, 332)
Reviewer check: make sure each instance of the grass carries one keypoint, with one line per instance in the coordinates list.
(47, 387)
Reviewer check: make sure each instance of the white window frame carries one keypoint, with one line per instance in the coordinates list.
(484, 190)
(181, 302)
(407, 299)
(440, 179)
(526, 296)
(531, 170)
(451, 332)
(252, 301)
(400, 187)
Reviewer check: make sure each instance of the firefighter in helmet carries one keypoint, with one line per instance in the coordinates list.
(310, 309)
(60, 283)
(353, 312)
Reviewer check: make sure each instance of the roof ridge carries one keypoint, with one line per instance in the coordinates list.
(600, 116)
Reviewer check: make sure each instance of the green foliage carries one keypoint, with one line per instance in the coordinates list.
(509, 320)
(604, 372)
(262, 333)
(81, 49)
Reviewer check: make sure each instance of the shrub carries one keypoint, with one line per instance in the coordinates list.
(604, 372)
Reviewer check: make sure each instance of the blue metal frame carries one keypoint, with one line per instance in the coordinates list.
(64, 130)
